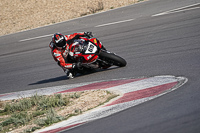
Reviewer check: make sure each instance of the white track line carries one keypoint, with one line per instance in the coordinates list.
(35, 38)
(181, 9)
(114, 23)
(185, 8)
(28, 39)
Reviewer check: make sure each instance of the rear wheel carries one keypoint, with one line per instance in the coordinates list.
(112, 59)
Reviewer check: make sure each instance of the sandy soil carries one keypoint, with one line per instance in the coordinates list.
(19, 15)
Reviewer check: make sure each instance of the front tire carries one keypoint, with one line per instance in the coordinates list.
(112, 59)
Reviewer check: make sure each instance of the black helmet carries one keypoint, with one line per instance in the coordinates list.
(59, 40)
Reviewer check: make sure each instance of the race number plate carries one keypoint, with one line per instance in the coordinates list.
(91, 48)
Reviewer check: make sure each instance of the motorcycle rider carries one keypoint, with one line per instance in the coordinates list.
(61, 53)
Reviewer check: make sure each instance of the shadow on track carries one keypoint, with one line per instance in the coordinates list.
(64, 77)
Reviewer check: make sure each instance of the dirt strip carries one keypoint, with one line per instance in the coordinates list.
(19, 15)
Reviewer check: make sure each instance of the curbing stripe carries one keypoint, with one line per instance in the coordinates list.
(164, 85)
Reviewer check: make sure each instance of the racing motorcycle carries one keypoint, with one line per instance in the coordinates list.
(93, 55)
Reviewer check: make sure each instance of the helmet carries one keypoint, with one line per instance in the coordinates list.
(59, 40)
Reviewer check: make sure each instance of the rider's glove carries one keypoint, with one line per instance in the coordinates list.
(77, 65)
(88, 34)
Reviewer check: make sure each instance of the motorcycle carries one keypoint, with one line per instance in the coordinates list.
(93, 55)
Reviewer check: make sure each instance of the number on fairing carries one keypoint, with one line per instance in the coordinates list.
(91, 48)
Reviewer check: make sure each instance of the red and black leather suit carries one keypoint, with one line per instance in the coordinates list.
(62, 56)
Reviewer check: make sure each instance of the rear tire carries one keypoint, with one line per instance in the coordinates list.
(112, 59)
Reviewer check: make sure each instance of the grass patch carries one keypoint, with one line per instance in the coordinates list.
(51, 117)
(38, 111)
(41, 102)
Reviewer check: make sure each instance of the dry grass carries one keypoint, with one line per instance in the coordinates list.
(18, 15)
(17, 116)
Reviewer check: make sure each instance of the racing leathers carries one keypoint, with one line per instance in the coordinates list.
(64, 57)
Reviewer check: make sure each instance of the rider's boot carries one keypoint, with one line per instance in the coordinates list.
(70, 74)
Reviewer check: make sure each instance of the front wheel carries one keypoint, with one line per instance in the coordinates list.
(112, 59)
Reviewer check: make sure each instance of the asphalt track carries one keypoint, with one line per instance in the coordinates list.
(152, 44)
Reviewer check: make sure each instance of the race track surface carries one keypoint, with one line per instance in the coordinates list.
(156, 37)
